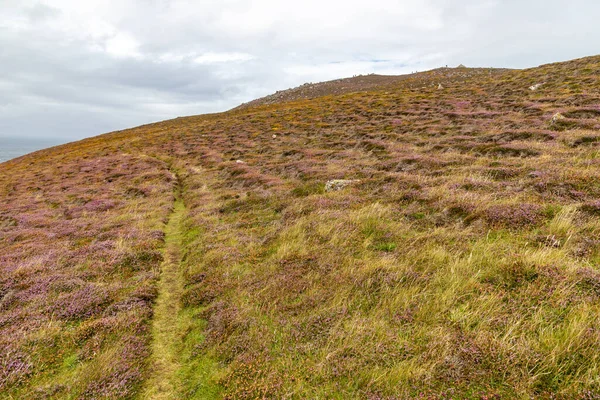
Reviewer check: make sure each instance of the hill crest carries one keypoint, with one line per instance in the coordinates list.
(361, 83)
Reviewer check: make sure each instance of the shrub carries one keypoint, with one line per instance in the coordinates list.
(513, 215)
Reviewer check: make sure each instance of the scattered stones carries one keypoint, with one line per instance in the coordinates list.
(338, 184)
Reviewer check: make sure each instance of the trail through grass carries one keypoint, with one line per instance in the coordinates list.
(165, 327)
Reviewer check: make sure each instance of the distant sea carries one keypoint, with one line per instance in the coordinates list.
(11, 147)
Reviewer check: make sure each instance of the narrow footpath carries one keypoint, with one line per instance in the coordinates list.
(165, 325)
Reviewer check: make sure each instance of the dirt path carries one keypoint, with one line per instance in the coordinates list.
(165, 325)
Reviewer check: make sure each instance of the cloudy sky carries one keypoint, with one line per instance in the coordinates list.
(71, 69)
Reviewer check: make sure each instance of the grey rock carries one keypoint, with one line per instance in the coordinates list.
(338, 184)
(557, 117)
(535, 87)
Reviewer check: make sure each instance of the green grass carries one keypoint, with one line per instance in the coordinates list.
(178, 369)
(198, 372)
(165, 324)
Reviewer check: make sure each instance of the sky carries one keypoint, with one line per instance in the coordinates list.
(71, 69)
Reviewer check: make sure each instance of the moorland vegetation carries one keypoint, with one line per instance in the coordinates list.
(203, 257)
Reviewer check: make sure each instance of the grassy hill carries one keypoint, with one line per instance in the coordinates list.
(207, 257)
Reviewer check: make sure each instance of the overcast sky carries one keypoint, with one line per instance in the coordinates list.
(76, 68)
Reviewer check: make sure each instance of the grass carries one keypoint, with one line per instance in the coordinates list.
(461, 263)
(165, 323)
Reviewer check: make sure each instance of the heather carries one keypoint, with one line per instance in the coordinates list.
(460, 261)
(79, 262)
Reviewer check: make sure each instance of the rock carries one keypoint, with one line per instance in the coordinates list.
(274, 136)
(440, 87)
(535, 87)
(461, 66)
(557, 117)
(535, 174)
(239, 162)
(338, 184)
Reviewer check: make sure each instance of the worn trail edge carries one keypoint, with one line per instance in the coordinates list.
(165, 328)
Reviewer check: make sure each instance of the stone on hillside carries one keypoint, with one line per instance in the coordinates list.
(535, 174)
(240, 162)
(440, 86)
(557, 117)
(535, 87)
(338, 184)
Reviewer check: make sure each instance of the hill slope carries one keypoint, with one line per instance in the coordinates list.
(362, 83)
(460, 261)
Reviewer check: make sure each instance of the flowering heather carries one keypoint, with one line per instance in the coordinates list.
(14, 367)
(592, 207)
(513, 215)
(63, 227)
(462, 264)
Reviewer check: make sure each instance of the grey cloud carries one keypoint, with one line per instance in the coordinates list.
(75, 69)
(40, 12)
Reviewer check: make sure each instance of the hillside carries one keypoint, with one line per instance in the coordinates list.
(209, 256)
(362, 83)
